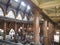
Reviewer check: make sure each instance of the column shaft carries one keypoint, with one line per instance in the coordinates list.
(51, 33)
(4, 31)
(36, 28)
(45, 31)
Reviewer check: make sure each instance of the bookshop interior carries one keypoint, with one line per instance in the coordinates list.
(29, 22)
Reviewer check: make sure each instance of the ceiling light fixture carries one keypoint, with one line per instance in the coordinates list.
(57, 32)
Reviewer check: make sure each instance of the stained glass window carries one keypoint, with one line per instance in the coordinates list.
(25, 18)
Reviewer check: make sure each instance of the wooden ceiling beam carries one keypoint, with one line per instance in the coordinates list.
(53, 14)
(56, 20)
(49, 4)
(46, 5)
(33, 5)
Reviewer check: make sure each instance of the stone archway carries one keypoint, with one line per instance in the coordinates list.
(1, 11)
(10, 14)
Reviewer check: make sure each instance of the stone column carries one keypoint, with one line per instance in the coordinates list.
(15, 27)
(45, 31)
(4, 30)
(15, 31)
(22, 27)
(51, 33)
(22, 30)
(36, 28)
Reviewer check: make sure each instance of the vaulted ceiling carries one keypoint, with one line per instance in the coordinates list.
(50, 7)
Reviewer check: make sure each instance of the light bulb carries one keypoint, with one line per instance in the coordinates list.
(57, 32)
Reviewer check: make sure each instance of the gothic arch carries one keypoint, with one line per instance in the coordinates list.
(10, 14)
(1, 11)
(19, 16)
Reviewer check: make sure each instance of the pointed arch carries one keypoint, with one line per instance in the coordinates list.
(11, 14)
(19, 16)
(25, 18)
(1, 11)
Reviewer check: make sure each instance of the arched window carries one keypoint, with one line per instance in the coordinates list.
(19, 17)
(25, 18)
(1, 12)
(31, 18)
(10, 14)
